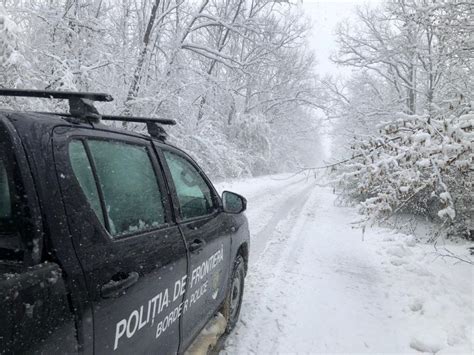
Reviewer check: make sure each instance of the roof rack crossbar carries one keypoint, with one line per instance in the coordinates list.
(153, 125)
(51, 94)
(137, 119)
(80, 103)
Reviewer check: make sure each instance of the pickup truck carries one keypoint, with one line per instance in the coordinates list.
(110, 241)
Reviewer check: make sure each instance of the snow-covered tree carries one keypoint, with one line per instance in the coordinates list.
(415, 165)
(408, 110)
(11, 59)
(233, 73)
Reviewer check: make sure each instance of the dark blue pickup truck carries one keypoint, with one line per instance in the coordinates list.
(110, 241)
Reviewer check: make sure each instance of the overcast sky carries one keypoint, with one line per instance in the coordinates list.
(325, 14)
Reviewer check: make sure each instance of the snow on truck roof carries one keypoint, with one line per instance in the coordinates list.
(81, 107)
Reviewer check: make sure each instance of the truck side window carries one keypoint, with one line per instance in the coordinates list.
(194, 195)
(83, 171)
(129, 186)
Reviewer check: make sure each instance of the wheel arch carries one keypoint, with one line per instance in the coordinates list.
(243, 251)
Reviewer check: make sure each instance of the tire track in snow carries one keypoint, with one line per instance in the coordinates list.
(284, 228)
(290, 206)
(268, 202)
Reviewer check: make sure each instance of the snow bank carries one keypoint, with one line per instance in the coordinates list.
(318, 286)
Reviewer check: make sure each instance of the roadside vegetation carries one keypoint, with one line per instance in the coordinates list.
(408, 112)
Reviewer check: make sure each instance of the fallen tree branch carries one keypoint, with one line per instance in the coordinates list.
(449, 254)
(348, 159)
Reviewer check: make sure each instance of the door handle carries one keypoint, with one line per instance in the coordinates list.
(118, 284)
(196, 245)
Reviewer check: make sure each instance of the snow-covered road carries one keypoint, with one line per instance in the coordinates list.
(316, 285)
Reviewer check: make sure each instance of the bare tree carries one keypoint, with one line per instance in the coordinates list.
(233, 73)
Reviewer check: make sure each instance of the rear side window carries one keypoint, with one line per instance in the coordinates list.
(83, 171)
(194, 194)
(119, 182)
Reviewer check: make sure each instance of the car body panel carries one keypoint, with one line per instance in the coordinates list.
(158, 256)
(209, 267)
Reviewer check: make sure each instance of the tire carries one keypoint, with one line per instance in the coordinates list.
(233, 300)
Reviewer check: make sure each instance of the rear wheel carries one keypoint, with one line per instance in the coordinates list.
(233, 301)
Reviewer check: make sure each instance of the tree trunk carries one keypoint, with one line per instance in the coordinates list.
(220, 46)
(135, 85)
(412, 91)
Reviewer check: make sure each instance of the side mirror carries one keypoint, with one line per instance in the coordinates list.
(233, 203)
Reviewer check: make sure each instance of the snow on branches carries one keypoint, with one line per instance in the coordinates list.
(416, 165)
(7, 38)
(408, 110)
(236, 75)
(10, 58)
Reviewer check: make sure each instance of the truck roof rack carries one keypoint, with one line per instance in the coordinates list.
(81, 106)
(138, 119)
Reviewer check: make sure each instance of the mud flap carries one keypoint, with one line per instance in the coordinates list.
(207, 339)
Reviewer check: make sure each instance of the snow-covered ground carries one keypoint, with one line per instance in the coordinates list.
(316, 285)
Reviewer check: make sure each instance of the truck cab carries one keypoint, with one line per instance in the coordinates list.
(110, 241)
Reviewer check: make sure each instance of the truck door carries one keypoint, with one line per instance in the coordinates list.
(132, 253)
(204, 228)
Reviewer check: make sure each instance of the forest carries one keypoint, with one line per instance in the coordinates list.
(236, 75)
(241, 81)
